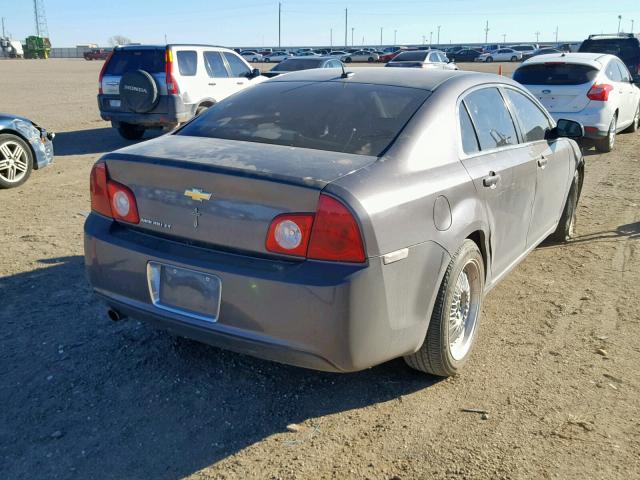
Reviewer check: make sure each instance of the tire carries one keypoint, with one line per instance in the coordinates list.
(606, 144)
(370, 59)
(514, 59)
(16, 161)
(347, 60)
(438, 355)
(255, 60)
(131, 132)
(565, 230)
(635, 125)
(489, 59)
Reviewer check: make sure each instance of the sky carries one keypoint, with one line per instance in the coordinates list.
(255, 22)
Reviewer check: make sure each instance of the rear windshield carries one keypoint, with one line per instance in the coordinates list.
(293, 65)
(352, 117)
(417, 56)
(555, 74)
(123, 61)
(628, 49)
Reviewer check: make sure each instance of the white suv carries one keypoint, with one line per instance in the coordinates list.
(144, 86)
(594, 89)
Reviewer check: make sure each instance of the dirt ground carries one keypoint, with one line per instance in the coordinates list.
(556, 365)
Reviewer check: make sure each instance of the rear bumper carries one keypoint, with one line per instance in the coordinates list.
(595, 120)
(319, 315)
(169, 110)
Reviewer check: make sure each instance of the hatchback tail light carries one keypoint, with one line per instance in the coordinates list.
(172, 86)
(600, 92)
(102, 70)
(110, 198)
(331, 234)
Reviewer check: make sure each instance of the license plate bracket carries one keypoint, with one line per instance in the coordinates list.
(184, 291)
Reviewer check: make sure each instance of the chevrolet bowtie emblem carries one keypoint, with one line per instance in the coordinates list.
(197, 194)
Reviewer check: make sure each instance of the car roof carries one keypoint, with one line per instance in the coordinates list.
(595, 60)
(164, 46)
(398, 77)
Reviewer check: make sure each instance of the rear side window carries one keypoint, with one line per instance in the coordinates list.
(187, 62)
(534, 123)
(491, 118)
(555, 74)
(624, 71)
(351, 118)
(238, 67)
(469, 140)
(128, 60)
(613, 72)
(293, 65)
(215, 65)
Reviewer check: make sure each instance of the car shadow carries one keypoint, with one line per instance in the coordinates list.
(629, 230)
(94, 140)
(84, 397)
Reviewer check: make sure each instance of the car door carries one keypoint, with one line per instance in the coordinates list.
(618, 95)
(220, 84)
(501, 170)
(239, 70)
(552, 160)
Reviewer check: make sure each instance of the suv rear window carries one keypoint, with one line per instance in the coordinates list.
(628, 49)
(555, 74)
(123, 61)
(352, 118)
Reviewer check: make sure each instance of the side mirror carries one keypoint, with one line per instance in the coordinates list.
(566, 129)
(255, 73)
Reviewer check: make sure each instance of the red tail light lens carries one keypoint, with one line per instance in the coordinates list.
(99, 193)
(172, 86)
(289, 234)
(600, 92)
(335, 235)
(111, 199)
(102, 70)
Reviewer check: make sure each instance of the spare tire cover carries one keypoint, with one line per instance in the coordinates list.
(138, 91)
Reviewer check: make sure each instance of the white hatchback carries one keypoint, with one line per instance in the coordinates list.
(591, 88)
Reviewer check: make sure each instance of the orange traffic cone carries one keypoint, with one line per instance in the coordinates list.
(500, 70)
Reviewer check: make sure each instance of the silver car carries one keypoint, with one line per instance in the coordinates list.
(335, 220)
(429, 59)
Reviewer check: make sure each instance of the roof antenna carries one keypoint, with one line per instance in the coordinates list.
(344, 73)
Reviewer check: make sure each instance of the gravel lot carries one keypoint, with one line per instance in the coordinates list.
(556, 365)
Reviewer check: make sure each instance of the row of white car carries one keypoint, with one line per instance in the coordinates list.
(278, 56)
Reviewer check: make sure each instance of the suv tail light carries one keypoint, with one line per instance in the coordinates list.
(102, 70)
(112, 199)
(172, 86)
(331, 234)
(600, 92)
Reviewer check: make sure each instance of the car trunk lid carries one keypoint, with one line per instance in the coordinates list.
(559, 98)
(223, 193)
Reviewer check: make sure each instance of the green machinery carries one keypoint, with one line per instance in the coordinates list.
(37, 47)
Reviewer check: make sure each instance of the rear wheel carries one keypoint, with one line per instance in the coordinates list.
(130, 131)
(370, 59)
(456, 315)
(566, 226)
(606, 144)
(347, 60)
(16, 161)
(514, 59)
(635, 125)
(489, 59)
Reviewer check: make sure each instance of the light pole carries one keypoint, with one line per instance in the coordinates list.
(352, 29)
(331, 38)
(380, 36)
(279, 23)
(619, 21)
(439, 26)
(631, 27)
(537, 37)
(556, 34)
(430, 38)
(395, 36)
(346, 23)
(486, 33)
(504, 38)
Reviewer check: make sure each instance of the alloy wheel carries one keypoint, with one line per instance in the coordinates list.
(464, 310)
(14, 162)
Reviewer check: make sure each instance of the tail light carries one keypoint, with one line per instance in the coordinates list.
(172, 86)
(110, 198)
(331, 234)
(102, 70)
(600, 92)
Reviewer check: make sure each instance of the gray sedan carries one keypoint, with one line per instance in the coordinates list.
(335, 220)
(24, 146)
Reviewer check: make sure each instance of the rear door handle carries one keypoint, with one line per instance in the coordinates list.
(542, 162)
(212, 84)
(239, 83)
(491, 181)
